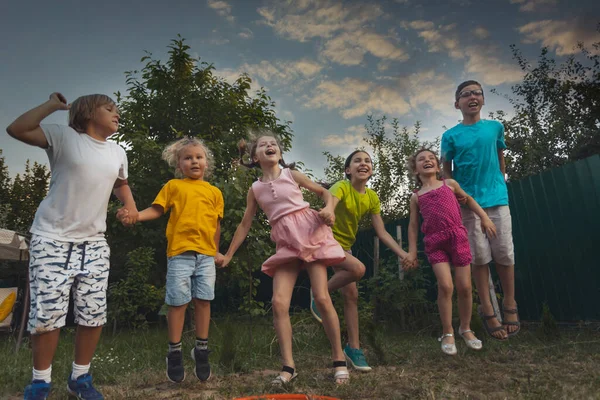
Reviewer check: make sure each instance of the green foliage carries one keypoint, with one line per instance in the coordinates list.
(182, 97)
(557, 113)
(20, 197)
(548, 326)
(405, 301)
(132, 299)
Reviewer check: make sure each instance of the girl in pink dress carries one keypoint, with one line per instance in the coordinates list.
(303, 241)
(446, 243)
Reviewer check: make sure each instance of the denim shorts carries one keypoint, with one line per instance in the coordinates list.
(190, 275)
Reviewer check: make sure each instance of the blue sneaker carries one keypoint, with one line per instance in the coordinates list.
(83, 389)
(313, 308)
(37, 390)
(356, 358)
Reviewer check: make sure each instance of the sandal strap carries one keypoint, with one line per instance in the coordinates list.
(445, 335)
(511, 310)
(513, 323)
(463, 332)
(287, 369)
(337, 364)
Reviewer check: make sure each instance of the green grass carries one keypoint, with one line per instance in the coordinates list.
(407, 365)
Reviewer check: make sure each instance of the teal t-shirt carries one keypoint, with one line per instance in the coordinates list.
(474, 151)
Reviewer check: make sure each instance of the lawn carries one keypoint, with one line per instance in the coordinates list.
(407, 365)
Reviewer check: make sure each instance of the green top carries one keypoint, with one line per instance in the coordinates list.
(349, 211)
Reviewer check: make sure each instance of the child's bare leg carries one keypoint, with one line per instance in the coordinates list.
(464, 291)
(43, 347)
(284, 280)
(350, 294)
(202, 317)
(348, 271)
(86, 340)
(444, 299)
(318, 281)
(481, 273)
(175, 322)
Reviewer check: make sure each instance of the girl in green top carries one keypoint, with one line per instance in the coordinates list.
(352, 199)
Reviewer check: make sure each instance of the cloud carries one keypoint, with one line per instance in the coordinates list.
(246, 34)
(560, 36)
(283, 72)
(356, 98)
(418, 25)
(353, 137)
(222, 8)
(347, 30)
(349, 48)
(481, 32)
(481, 62)
(534, 5)
(429, 89)
(302, 20)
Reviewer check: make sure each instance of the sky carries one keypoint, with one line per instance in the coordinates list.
(327, 64)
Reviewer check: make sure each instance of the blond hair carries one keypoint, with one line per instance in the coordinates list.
(83, 110)
(172, 153)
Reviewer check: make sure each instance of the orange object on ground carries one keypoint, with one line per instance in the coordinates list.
(287, 396)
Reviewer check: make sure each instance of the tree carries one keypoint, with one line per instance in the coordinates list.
(25, 195)
(391, 179)
(166, 101)
(557, 112)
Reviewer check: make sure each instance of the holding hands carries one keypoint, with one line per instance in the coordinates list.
(127, 217)
(488, 227)
(327, 215)
(410, 262)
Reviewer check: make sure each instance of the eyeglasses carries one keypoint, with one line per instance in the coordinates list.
(468, 93)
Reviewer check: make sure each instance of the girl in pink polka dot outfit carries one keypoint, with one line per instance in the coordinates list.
(446, 243)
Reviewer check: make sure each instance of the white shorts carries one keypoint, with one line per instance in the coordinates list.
(55, 269)
(483, 249)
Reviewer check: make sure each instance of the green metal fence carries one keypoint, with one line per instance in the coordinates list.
(556, 225)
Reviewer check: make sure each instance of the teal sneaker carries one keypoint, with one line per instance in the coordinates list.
(356, 358)
(313, 308)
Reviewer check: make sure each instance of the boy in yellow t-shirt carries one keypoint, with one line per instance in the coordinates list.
(193, 235)
(352, 199)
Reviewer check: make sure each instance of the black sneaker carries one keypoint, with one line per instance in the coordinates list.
(175, 371)
(202, 369)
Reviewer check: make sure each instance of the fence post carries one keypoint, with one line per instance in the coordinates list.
(399, 239)
(493, 297)
(375, 272)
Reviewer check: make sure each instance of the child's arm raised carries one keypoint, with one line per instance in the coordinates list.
(327, 213)
(385, 237)
(413, 232)
(242, 230)
(27, 128)
(487, 225)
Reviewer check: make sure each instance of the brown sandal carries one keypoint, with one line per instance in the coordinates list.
(516, 323)
(489, 329)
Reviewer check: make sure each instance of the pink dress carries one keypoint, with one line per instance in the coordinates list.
(297, 230)
(446, 238)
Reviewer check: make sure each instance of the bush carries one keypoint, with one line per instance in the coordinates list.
(132, 299)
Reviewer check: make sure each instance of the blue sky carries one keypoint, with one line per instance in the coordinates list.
(326, 63)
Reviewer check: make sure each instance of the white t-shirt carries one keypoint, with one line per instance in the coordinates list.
(84, 172)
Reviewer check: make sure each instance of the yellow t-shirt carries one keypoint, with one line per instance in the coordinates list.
(349, 211)
(196, 208)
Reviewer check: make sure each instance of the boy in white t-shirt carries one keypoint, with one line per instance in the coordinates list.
(68, 248)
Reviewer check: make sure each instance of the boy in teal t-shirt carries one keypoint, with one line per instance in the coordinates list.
(473, 154)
